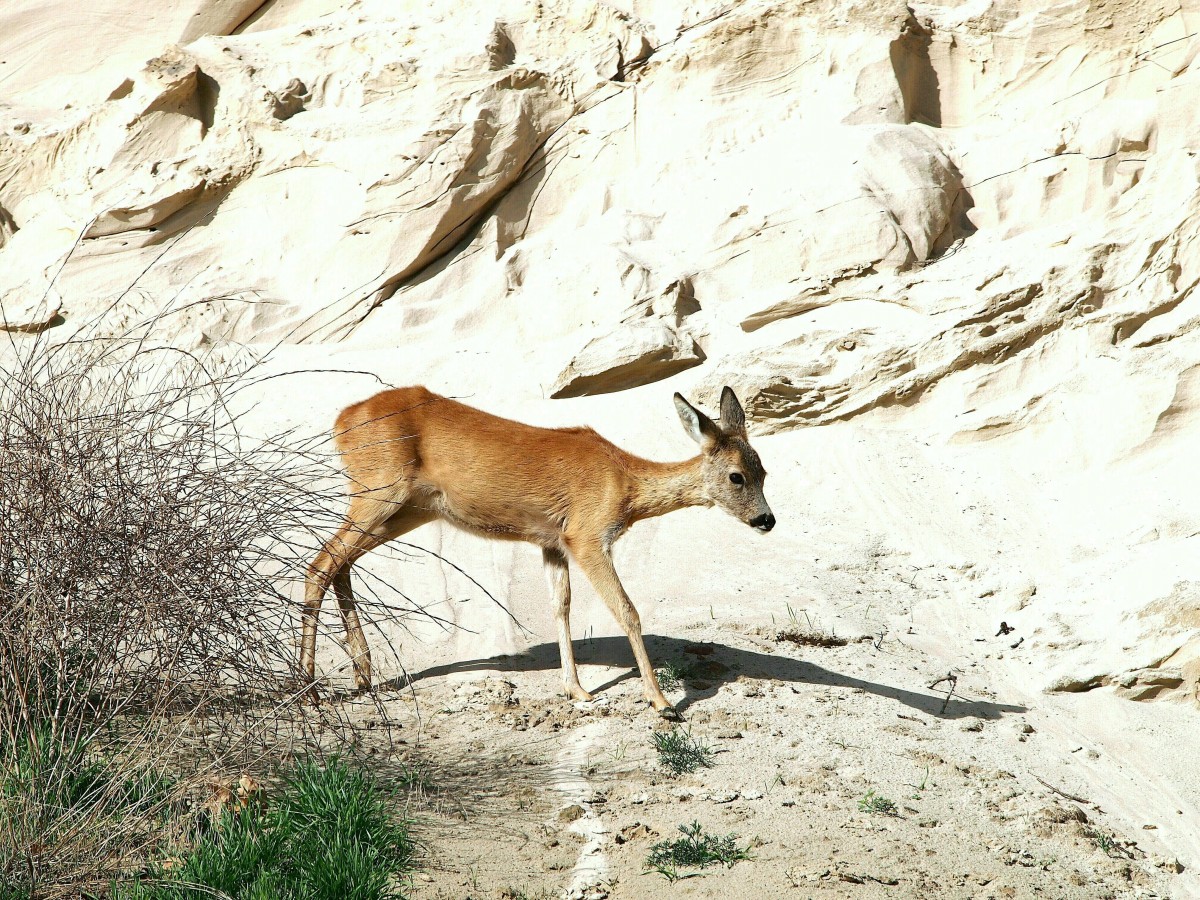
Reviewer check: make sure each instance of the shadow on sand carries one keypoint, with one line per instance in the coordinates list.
(712, 665)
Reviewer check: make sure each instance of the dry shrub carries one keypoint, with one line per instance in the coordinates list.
(810, 637)
(145, 546)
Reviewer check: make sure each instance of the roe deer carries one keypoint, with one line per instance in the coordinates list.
(413, 456)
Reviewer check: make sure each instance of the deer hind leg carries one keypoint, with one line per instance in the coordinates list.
(597, 564)
(356, 641)
(558, 576)
(368, 524)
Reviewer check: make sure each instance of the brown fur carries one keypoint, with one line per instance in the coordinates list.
(413, 456)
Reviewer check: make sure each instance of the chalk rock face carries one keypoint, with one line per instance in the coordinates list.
(651, 343)
(969, 230)
(627, 357)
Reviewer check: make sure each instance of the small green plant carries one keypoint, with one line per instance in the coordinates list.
(672, 675)
(695, 850)
(876, 805)
(1107, 843)
(617, 753)
(920, 787)
(328, 835)
(680, 753)
(417, 778)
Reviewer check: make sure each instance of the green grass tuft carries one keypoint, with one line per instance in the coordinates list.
(328, 835)
(53, 787)
(680, 753)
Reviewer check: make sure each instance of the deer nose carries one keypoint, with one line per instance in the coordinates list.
(765, 522)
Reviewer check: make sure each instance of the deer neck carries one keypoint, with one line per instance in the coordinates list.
(660, 488)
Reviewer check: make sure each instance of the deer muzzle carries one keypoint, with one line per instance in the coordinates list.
(763, 522)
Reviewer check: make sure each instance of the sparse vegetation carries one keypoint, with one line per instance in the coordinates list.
(807, 633)
(680, 753)
(918, 788)
(672, 675)
(512, 893)
(876, 805)
(144, 629)
(694, 850)
(1107, 842)
(810, 637)
(54, 788)
(327, 835)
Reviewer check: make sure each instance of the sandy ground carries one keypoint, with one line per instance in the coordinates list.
(531, 794)
(1004, 790)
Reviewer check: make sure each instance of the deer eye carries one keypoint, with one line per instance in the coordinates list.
(737, 478)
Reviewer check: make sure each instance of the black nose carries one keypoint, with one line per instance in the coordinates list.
(765, 522)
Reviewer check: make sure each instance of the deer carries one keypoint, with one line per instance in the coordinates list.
(413, 456)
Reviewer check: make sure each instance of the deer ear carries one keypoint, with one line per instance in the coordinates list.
(733, 419)
(700, 428)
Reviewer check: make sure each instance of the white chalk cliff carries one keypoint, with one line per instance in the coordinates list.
(946, 254)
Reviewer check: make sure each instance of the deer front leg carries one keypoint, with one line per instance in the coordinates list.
(559, 579)
(597, 564)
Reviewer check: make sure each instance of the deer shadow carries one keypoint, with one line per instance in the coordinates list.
(708, 667)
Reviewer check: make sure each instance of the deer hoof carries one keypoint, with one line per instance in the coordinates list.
(671, 714)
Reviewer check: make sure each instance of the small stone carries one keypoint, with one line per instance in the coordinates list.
(972, 725)
(1060, 814)
(1074, 684)
(634, 832)
(1169, 864)
(723, 796)
(571, 813)
(752, 795)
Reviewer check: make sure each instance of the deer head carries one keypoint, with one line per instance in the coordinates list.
(731, 472)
